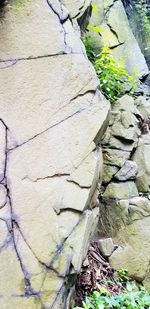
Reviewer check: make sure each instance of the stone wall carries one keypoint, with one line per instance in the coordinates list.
(125, 192)
(50, 165)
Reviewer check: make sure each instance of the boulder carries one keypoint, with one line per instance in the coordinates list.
(143, 106)
(108, 172)
(134, 251)
(50, 162)
(121, 190)
(106, 246)
(128, 171)
(115, 157)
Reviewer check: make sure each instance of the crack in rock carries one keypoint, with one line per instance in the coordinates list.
(28, 288)
(77, 184)
(58, 175)
(116, 35)
(47, 129)
(63, 16)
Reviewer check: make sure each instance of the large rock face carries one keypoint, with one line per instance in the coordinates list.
(50, 113)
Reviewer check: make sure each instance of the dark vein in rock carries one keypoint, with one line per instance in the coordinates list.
(15, 60)
(61, 19)
(61, 290)
(47, 129)
(8, 64)
(115, 33)
(117, 45)
(82, 94)
(28, 287)
(44, 265)
(61, 246)
(77, 184)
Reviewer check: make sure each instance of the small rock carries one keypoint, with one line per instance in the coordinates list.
(120, 190)
(106, 246)
(108, 172)
(85, 262)
(128, 171)
(115, 157)
(143, 106)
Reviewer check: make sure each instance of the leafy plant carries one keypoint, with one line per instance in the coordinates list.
(122, 275)
(94, 28)
(142, 9)
(131, 298)
(113, 77)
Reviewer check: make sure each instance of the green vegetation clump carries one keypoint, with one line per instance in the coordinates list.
(130, 295)
(142, 9)
(113, 77)
(130, 299)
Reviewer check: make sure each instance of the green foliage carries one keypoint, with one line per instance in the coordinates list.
(113, 77)
(131, 298)
(89, 49)
(95, 8)
(122, 275)
(94, 28)
(142, 10)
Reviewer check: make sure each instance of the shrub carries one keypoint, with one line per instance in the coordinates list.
(113, 77)
(131, 298)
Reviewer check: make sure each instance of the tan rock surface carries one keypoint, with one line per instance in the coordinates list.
(51, 111)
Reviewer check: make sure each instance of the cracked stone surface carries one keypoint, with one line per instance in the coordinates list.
(117, 34)
(50, 167)
(124, 210)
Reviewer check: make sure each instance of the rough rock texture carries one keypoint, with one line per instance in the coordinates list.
(139, 18)
(124, 210)
(117, 34)
(106, 246)
(50, 113)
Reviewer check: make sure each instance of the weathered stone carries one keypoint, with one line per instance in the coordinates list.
(115, 143)
(115, 156)
(81, 236)
(52, 119)
(128, 120)
(125, 103)
(3, 195)
(117, 34)
(143, 106)
(139, 207)
(121, 190)
(134, 251)
(127, 44)
(115, 215)
(142, 158)
(128, 171)
(3, 134)
(106, 246)
(127, 221)
(125, 257)
(121, 132)
(108, 172)
(77, 7)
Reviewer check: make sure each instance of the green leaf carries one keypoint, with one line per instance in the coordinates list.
(95, 8)
(94, 28)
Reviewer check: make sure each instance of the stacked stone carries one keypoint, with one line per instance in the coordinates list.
(125, 205)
